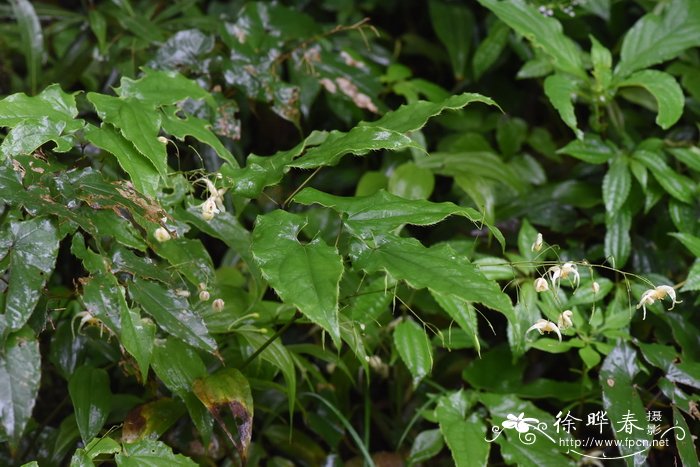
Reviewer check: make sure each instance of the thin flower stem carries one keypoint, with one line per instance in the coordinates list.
(272, 338)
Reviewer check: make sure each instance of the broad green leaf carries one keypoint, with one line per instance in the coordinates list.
(618, 244)
(32, 256)
(689, 156)
(359, 141)
(490, 48)
(152, 419)
(151, 453)
(384, 212)
(464, 436)
(198, 129)
(35, 120)
(684, 441)
(104, 299)
(140, 169)
(411, 182)
(692, 283)
(20, 373)
(229, 389)
(188, 257)
(100, 446)
(414, 348)
(137, 337)
(545, 33)
(158, 87)
(305, 275)
(591, 149)
(675, 184)
(656, 38)
(172, 313)
(464, 315)
(177, 365)
(138, 122)
(510, 135)
(561, 91)
(602, 65)
(32, 39)
(691, 242)
(622, 402)
(453, 24)
(438, 268)
(92, 399)
(666, 91)
(427, 445)
(616, 185)
(371, 182)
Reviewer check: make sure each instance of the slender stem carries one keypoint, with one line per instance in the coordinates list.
(272, 338)
(308, 179)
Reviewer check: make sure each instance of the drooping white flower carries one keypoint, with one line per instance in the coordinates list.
(218, 305)
(565, 321)
(537, 246)
(209, 209)
(543, 326)
(658, 293)
(521, 423)
(557, 273)
(541, 284)
(214, 204)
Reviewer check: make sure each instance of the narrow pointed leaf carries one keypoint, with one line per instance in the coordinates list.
(666, 91)
(616, 185)
(137, 337)
(414, 348)
(91, 396)
(561, 91)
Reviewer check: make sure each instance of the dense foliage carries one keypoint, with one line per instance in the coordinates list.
(346, 233)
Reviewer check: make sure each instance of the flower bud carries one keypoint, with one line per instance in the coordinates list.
(596, 287)
(537, 246)
(541, 284)
(163, 140)
(161, 234)
(204, 295)
(565, 320)
(218, 304)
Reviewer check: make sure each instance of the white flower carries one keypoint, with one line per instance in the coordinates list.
(543, 326)
(557, 273)
(520, 423)
(596, 287)
(218, 304)
(209, 209)
(564, 321)
(204, 295)
(658, 293)
(161, 234)
(214, 204)
(182, 293)
(537, 246)
(541, 284)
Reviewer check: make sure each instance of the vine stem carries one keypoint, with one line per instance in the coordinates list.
(272, 338)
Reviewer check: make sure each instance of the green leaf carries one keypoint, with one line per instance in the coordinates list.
(665, 89)
(453, 24)
(676, 185)
(32, 256)
(411, 182)
(426, 445)
(414, 349)
(384, 212)
(464, 437)
(158, 88)
(141, 170)
(591, 149)
(656, 38)
(602, 65)
(618, 243)
(98, 24)
(138, 122)
(692, 283)
(20, 373)
(545, 33)
(228, 388)
(490, 48)
(561, 90)
(177, 365)
(691, 242)
(92, 400)
(198, 129)
(616, 185)
(172, 313)
(152, 419)
(32, 39)
(684, 441)
(137, 337)
(621, 400)
(151, 453)
(101, 446)
(689, 156)
(438, 268)
(306, 276)
(189, 257)
(464, 315)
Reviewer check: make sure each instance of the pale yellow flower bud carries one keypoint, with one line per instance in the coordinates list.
(541, 284)
(218, 304)
(204, 295)
(596, 287)
(161, 234)
(537, 246)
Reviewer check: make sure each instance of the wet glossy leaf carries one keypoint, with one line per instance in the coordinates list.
(92, 400)
(177, 365)
(198, 129)
(32, 257)
(464, 315)
(675, 184)
(618, 244)
(152, 419)
(591, 149)
(666, 91)
(490, 48)
(544, 32)
(691, 242)
(158, 88)
(464, 437)
(304, 275)
(137, 337)
(427, 445)
(411, 182)
(621, 400)
(684, 441)
(414, 348)
(20, 372)
(229, 389)
(453, 23)
(438, 268)
(616, 185)
(32, 39)
(561, 91)
(656, 37)
(151, 453)
(172, 313)
(189, 257)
